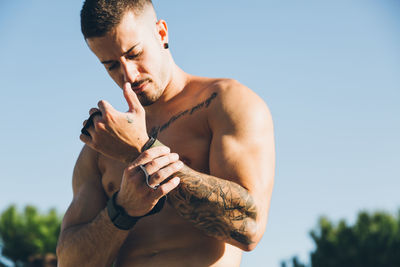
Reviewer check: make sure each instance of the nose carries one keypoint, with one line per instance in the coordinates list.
(130, 71)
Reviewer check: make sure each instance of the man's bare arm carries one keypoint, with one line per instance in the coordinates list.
(232, 203)
(221, 208)
(93, 244)
(88, 237)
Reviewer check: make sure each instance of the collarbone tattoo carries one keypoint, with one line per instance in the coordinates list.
(205, 104)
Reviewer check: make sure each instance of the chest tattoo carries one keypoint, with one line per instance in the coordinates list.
(157, 129)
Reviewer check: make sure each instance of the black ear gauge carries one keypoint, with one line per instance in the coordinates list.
(166, 46)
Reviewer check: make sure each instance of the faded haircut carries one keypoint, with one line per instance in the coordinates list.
(98, 17)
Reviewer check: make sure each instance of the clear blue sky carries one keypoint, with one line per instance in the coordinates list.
(329, 71)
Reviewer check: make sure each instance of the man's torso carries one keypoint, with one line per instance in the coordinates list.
(166, 239)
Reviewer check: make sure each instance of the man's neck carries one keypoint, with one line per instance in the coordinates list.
(177, 82)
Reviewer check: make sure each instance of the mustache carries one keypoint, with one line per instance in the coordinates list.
(139, 83)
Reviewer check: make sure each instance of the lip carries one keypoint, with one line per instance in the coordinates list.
(140, 88)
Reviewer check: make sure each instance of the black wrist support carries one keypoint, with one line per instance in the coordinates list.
(123, 220)
(118, 215)
(149, 144)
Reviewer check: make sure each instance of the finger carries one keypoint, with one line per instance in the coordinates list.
(149, 155)
(91, 131)
(161, 162)
(89, 122)
(164, 189)
(93, 110)
(84, 122)
(105, 107)
(131, 98)
(162, 174)
(86, 139)
(96, 120)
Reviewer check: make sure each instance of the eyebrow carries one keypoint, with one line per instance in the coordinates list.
(127, 52)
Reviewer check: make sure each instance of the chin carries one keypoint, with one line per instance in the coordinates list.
(146, 103)
(147, 100)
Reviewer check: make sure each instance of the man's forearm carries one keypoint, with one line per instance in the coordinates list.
(93, 244)
(221, 208)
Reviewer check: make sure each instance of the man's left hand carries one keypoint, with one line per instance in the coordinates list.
(116, 134)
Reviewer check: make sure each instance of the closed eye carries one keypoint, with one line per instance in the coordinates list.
(113, 66)
(133, 56)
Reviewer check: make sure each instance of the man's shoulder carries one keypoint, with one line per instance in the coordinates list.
(221, 85)
(88, 154)
(233, 103)
(228, 90)
(232, 97)
(87, 160)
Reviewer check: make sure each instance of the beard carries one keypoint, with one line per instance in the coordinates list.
(149, 98)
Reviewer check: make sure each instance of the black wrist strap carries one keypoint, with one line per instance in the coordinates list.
(123, 220)
(149, 143)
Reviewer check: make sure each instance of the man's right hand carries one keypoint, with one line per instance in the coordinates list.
(118, 135)
(135, 196)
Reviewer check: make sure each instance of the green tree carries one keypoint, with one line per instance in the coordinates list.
(28, 233)
(374, 240)
(294, 263)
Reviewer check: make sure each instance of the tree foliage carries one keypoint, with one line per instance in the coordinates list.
(295, 262)
(374, 240)
(28, 233)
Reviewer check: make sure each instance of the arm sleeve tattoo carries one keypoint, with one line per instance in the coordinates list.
(221, 208)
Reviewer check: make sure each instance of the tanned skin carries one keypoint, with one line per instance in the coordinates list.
(216, 164)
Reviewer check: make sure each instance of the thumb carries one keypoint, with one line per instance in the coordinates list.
(130, 97)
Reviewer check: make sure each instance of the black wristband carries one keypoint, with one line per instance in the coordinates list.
(149, 143)
(123, 220)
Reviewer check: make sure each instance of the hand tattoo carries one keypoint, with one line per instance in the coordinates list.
(129, 119)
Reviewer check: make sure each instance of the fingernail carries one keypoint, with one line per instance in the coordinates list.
(177, 180)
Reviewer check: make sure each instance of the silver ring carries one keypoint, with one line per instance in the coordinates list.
(147, 176)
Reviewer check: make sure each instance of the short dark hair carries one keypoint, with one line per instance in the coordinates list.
(100, 16)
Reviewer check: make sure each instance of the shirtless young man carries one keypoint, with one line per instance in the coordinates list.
(218, 191)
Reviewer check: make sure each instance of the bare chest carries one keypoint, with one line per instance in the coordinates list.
(186, 134)
(190, 138)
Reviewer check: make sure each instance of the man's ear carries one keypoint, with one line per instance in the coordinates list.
(162, 30)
